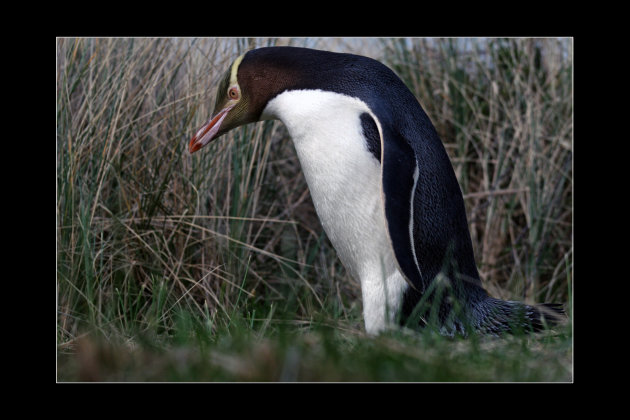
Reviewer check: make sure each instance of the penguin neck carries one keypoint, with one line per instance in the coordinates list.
(318, 112)
(325, 128)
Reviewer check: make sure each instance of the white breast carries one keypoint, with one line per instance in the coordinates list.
(344, 180)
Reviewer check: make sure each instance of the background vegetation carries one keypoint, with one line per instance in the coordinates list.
(214, 266)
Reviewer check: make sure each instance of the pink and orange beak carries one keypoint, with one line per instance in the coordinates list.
(208, 131)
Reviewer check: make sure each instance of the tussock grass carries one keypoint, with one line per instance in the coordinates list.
(139, 217)
(156, 248)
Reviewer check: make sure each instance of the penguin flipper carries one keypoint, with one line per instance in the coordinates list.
(399, 176)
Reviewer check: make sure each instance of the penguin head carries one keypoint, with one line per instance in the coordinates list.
(231, 109)
(246, 87)
(261, 74)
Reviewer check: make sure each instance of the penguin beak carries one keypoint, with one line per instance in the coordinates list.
(208, 131)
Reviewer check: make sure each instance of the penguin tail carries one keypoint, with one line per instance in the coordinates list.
(497, 317)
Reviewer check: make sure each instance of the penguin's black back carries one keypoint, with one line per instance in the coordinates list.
(441, 237)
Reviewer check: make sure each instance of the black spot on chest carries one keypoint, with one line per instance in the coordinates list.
(370, 132)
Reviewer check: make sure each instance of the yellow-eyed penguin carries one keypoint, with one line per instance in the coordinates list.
(381, 182)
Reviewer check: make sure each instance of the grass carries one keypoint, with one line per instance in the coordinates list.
(214, 267)
(315, 352)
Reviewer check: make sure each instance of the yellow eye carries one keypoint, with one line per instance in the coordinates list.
(233, 93)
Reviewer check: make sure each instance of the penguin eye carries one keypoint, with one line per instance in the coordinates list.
(233, 93)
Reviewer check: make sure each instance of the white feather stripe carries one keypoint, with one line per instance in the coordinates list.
(416, 175)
